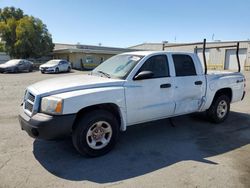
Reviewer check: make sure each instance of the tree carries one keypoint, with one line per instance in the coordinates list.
(24, 36)
(2, 49)
(10, 12)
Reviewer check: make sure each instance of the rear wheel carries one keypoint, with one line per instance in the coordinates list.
(219, 109)
(30, 69)
(16, 70)
(96, 133)
(69, 69)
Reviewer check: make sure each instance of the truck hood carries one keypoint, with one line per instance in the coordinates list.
(72, 83)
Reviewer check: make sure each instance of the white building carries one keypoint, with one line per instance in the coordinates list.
(217, 58)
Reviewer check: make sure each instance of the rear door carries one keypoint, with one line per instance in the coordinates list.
(27, 65)
(21, 65)
(62, 66)
(150, 98)
(65, 65)
(189, 87)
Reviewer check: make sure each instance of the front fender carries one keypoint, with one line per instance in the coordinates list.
(74, 101)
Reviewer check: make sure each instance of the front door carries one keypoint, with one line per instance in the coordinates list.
(21, 65)
(151, 98)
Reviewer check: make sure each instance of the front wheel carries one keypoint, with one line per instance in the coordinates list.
(96, 133)
(219, 109)
(57, 70)
(30, 69)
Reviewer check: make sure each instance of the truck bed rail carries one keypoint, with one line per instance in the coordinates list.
(204, 50)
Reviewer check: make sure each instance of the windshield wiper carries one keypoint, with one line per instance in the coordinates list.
(105, 74)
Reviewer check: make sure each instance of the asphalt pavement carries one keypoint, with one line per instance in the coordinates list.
(192, 153)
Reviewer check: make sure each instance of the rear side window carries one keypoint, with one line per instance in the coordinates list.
(158, 65)
(184, 65)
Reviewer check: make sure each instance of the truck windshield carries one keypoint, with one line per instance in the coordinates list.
(118, 66)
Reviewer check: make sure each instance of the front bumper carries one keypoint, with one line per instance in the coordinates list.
(47, 70)
(7, 70)
(45, 126)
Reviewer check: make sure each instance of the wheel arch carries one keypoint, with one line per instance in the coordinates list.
(224, 91)
(110, 107)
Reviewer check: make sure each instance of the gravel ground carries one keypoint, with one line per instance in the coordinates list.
(194, 153)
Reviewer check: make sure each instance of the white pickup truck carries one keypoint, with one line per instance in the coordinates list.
(127, 89)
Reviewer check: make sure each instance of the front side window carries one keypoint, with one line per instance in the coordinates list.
(157, 64)
(184, 65)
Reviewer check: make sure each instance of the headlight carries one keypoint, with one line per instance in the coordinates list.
(52, 105)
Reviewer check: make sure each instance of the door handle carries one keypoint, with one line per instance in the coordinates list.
(165, 86)
(198, 82)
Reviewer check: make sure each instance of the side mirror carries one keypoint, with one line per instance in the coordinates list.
(144, 75)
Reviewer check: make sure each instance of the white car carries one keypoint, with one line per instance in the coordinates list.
(55, 66)
(124, 90)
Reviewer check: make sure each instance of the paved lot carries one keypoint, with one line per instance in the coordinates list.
(194, 153)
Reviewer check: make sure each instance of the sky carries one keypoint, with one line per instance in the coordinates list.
(124, 23)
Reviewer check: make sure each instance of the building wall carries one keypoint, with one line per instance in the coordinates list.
(81, 60)
(216, 57)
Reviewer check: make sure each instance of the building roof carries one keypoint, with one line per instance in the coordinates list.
(158, 46)
(145, 53)
(147, 46)
(70, 48)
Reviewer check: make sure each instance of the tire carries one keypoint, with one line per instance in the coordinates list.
(42, 72)
(219, 109)
(90, 130)
(57, 70)
(30, 69)
(16, 70)
(69, 69)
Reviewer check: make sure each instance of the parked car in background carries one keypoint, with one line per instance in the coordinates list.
(55, 66)
(16, 65)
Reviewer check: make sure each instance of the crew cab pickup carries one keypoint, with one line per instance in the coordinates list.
(127, 89)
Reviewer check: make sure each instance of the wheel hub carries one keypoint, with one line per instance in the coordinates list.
(222, 109)
(99, 135)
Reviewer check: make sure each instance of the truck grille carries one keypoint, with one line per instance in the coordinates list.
(31, 97)
(28, 106)
(29, 102)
